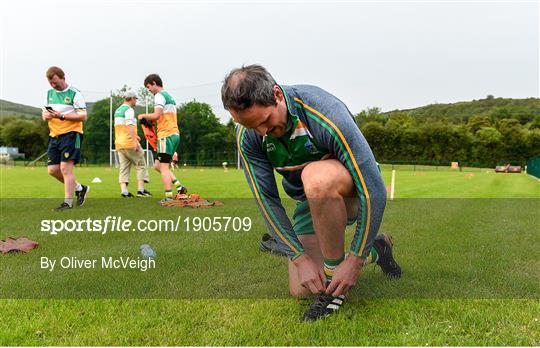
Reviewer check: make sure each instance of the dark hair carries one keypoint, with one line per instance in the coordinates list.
(153, 78)
(54, 70)
(246, 86)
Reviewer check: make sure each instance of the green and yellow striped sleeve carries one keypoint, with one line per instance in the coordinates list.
(260, 177)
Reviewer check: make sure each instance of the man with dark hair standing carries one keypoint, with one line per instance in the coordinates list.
(65, 112)
(168, 135)
(309, 137)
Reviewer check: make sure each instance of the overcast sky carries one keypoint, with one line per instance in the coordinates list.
(389, 54)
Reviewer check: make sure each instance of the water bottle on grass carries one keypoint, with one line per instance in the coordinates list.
(147, 252)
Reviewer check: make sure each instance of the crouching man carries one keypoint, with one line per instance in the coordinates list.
(310, 138)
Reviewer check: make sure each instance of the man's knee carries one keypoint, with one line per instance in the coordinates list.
(66, 168)
(325, 179)
(54, 170)
(299, 292)
(164, 167)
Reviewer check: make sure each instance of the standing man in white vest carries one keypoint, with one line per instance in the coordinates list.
(128, 148)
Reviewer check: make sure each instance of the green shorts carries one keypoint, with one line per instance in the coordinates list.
(302, 221)
(168, 145)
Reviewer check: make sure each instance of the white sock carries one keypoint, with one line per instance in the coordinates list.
(78, 187)
(69, 201)
(125, 193)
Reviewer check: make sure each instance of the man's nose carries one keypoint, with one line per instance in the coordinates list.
(261, 130)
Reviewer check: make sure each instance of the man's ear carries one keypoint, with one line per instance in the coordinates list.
(278, 93)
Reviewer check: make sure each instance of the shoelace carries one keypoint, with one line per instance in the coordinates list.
(321, 303)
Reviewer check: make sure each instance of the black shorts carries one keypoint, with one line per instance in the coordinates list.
(65, 147)
(164, 157)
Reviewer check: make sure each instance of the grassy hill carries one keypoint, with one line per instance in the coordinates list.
(524, 110)
(8, 108)
(14, 109)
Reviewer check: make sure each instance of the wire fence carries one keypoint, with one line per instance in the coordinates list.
(229, 159)
(533, 166)
(460, 166)
(201, 159)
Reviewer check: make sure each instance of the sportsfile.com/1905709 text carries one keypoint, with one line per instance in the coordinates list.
(114, 224)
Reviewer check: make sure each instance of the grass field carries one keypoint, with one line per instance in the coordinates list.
(467, 242)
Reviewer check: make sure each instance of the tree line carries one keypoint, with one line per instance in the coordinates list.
(203, 139)
(483, 133)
